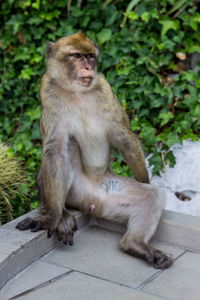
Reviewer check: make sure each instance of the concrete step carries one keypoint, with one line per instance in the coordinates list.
(19, 249)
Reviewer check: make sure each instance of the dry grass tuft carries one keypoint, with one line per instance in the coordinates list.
(11, 178)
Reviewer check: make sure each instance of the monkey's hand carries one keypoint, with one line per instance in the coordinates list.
(64, 228)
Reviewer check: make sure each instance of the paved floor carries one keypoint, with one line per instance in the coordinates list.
(95, 269)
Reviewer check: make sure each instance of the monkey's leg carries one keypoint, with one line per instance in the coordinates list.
(139, 206)
(64, 226)
(135, 246)
(141, 228)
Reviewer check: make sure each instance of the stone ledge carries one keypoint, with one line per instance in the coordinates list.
(20, 248)
(180, 229)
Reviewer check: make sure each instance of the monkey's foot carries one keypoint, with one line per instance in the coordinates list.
(140, 249)
(65, 229)
(159, 260)
(27, 223)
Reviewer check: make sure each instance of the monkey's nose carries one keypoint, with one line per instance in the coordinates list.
(88, 67)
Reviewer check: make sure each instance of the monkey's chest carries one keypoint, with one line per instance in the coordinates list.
(90, 133)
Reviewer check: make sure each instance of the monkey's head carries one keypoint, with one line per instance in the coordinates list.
(72, 61)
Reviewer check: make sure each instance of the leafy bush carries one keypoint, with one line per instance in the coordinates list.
(142, 44)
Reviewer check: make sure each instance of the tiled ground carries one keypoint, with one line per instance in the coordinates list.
(95, 269)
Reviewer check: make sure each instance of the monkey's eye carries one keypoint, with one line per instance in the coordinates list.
(76, 55)
(91, 56)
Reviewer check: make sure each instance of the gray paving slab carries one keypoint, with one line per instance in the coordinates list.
(175, 227)
(11, 242)
(96, 252)
(76, 286)
(18, 249)
(181, 282)
(37, 273)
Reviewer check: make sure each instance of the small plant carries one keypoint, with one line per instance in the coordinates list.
(11, 178)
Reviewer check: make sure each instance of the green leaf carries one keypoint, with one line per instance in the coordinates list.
(169, 24)
(36, 4)
(133, 16)
(165, 117)
(76, 12)
(145, 16)
(129, 8)
(34, 114)
(177, 5)
(104, 35)
(172, 138)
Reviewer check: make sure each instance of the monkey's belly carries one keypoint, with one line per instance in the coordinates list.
(95, 160)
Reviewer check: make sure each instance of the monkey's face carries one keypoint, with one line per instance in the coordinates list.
(82, 67)
(72, 61)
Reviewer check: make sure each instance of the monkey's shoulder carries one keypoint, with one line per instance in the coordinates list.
(111, 103)
(45, 88)
(44, 82)
(103, 86)
(105, 93)
(51, 94)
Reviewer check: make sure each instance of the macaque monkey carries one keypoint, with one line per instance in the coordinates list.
(81, 121)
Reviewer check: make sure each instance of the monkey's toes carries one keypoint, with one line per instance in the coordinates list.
(51, 230)
(35, 226)
(25, 224)
(29, 223)
(162, 261)
(66, 229)
(67, 238)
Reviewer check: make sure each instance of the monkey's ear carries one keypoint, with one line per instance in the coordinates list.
(97, 49)
(49, 49)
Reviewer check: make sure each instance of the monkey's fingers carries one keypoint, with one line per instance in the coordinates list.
(59, 234)
(50, 233)
(35, 226)
(51, 230)
(70, 238)
(25, 224)
(64, 239)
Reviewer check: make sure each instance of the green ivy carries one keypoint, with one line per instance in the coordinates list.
(139, 45)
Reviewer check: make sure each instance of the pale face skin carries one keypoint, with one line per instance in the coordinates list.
(83, 67)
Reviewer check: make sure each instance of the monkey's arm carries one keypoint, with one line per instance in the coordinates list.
(130, 148)
(56, 178)
(128, 144)
(55, 175)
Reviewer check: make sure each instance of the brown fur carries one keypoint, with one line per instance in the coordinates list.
(81, 121)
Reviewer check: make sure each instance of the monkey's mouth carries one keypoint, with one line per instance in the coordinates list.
(85, 80)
